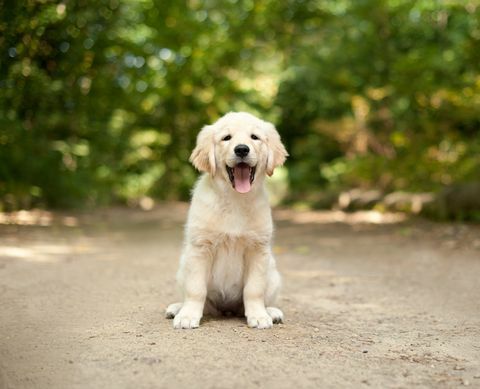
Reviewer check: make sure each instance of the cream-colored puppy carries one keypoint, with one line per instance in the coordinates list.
(227, 264)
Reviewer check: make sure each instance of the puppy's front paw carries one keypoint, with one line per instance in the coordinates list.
(186, 320)
(260, 321)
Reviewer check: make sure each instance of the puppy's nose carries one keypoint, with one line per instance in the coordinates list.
(241, 150)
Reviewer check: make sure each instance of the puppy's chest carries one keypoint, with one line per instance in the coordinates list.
(228, 269)
(236, 222)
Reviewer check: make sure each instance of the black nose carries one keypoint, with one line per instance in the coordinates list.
(241, 150)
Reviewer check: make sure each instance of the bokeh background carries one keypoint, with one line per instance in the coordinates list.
(378, 102)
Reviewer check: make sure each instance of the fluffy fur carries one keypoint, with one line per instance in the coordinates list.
(227, 264)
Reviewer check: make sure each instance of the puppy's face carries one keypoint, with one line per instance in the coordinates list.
(239, 147)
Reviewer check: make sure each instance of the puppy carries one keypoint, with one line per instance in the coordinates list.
(227, 264)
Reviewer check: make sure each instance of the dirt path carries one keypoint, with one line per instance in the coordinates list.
(389, 305)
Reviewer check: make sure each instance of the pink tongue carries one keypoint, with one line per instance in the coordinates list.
(241, 175)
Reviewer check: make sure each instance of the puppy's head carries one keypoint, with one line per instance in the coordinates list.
(239, 147)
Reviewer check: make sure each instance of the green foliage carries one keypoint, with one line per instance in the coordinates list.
(101, 101)
(395, 88)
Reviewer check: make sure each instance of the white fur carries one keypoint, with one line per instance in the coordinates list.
(227, 262)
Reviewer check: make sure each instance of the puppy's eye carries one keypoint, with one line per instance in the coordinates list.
(254, 137)
(228, 137)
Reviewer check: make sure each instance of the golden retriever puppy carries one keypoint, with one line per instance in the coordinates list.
(227, 264)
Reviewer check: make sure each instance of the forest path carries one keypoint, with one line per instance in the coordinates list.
(369, 301)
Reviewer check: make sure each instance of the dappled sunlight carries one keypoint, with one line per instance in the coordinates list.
(28, 218)
(326, 217)
(36, 217)
(43, 252)
(15, 252)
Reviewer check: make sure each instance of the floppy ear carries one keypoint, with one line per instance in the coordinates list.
(276, 150)
(203, 155)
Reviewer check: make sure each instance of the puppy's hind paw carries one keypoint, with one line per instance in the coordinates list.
(276, 314)
(172, 310)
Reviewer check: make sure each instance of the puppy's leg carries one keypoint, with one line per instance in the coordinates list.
(195, 268)
(172, 310)
(273, 287)
(257, 261)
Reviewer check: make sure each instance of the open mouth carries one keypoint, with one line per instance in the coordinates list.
(241, 176)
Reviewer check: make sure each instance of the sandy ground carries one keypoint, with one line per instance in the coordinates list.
(369, 302)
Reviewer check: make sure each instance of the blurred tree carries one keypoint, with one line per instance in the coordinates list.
(101, 101)
(387, 92)
(54, 74)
